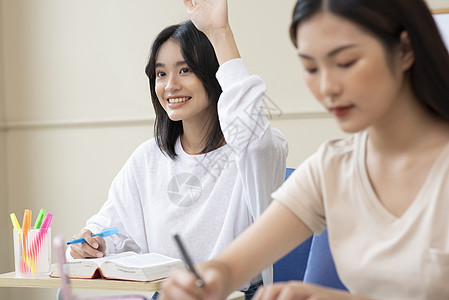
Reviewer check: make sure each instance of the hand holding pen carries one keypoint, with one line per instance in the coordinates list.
(213, 283)
(87, 245)
(199, 281)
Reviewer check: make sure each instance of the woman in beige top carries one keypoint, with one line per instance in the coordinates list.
(381, 69)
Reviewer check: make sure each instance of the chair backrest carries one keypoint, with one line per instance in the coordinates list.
(65, 291)
(320, 266)
(310, 262)
(293, 265)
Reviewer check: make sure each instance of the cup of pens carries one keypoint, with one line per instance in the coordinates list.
(32, 245)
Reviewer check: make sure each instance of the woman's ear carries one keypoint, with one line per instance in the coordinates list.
(407, 57)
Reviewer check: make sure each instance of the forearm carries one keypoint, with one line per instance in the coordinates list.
(276, 233)
(211, 17)
(222, 39)
(242, 120)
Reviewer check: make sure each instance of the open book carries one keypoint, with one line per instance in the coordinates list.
(123, 266)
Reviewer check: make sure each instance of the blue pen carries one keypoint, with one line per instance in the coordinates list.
(106, 232)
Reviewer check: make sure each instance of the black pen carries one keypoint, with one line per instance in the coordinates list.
(199, 281)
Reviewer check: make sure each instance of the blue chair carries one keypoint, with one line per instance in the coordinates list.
(320, 266)
(293, 265)
(310, 262)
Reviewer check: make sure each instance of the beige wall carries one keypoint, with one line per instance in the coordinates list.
(5, 227)
(75, 102)
(435, 4)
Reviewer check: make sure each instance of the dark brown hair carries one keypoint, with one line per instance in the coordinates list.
(200, 56)
(387, 19)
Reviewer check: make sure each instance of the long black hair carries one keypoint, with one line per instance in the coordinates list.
(387, 19)
(200, 56)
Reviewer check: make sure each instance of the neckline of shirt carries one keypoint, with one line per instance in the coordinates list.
(195, 157)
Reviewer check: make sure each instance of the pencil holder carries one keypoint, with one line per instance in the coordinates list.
(32, 252)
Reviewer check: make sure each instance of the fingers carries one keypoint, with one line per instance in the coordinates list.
(284, 291)
(299, 291)
(93, 247)
(268, 292)
(189, 4)
(181, 285)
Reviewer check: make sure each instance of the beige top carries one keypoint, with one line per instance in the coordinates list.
(376, 254)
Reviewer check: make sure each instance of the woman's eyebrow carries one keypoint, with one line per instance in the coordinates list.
(177, 64)
(331, 53)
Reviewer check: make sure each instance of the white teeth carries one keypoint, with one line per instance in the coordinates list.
(177, 100)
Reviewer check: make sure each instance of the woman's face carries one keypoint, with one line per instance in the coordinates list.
(347, 70)
(180, 92)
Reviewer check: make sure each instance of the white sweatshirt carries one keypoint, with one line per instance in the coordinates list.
(209, 199)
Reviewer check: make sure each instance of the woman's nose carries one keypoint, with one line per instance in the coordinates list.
(173, 83)
(329, 85)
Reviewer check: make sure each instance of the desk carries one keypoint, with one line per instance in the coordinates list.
(45, 281)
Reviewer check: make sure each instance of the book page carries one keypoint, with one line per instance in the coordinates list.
(87, 267)
(142, 267)
(100, 260)
(143, 260)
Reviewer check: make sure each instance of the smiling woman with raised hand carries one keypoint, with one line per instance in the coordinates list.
(213, 164)
(381, 69)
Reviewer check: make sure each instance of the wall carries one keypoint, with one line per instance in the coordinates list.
(77, 103)
(75, 99)
(5, 227)
(436, 4)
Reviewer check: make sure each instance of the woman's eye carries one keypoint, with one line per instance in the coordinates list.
(160, 74)
(310, 70)
(184, 70)
(347, 64)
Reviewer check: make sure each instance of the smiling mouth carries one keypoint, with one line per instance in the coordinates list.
(179, 100)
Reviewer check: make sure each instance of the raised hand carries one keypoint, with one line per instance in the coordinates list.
(208, 15)
(211, 17)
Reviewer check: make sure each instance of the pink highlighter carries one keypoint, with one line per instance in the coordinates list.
(41, 234)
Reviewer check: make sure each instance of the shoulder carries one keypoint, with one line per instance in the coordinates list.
(336, 149)
(334, 156)
(146, 150)
(148, 145)
(143, 158)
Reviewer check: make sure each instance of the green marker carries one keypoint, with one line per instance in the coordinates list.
(40, 218)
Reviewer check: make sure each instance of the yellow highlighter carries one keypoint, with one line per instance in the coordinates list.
(14, 221)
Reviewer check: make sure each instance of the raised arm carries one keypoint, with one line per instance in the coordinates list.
(211, 17)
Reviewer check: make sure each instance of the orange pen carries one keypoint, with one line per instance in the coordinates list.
(26, 226)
